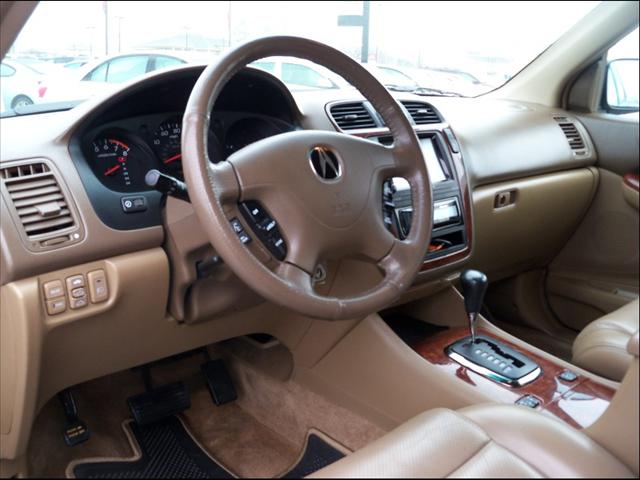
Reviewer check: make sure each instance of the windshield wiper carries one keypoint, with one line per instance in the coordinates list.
(425, 91)
(398, 88)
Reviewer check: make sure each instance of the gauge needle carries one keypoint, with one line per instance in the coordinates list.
(171, 159)
(111, 170)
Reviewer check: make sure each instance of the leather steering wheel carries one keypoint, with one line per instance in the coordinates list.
(321, 213)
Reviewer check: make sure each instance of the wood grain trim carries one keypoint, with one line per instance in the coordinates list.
(578, 403)
(632, 180)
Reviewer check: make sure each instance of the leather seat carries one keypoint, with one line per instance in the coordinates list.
(601, 346)
(481, 441)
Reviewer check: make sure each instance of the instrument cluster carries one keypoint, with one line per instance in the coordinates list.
(121, 153)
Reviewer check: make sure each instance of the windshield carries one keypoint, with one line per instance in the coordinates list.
(75, 50)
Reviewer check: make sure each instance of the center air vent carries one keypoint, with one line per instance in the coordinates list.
(422, 113)
(352, 116)
(39, 205)
(571, 132)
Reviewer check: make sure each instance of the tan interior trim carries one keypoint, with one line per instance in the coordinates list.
(528, 233)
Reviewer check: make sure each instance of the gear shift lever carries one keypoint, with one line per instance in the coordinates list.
(474, 286)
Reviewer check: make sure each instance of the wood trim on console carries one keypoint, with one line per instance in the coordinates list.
(578, 403)
(632, 180)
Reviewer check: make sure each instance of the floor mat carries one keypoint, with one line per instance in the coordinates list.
(162, 450)
(318, 453)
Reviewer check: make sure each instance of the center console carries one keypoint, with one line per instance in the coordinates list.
(498, 368)
(451, 235)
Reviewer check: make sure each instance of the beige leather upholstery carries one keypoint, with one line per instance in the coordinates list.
(602, 346)
(482, 441)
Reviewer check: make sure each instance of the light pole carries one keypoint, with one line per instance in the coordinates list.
(105, 9)
(90, 30)
(119, 18)
(359, 21)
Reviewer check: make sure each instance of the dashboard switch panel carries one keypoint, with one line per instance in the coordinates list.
(76, 303)
(98, 288)
(134, 204)
(75, 281)
(56, 306)
(53, 289)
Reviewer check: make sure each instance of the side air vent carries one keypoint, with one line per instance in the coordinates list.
(571, 132)
(352, 116)
(40, 205)
(422, 113)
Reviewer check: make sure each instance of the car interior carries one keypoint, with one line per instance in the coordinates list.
(205, 274)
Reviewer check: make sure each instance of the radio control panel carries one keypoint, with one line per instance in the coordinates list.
(449, 233)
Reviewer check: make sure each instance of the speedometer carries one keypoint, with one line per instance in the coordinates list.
(166, 142)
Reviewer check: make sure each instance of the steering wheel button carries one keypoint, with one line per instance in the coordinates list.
(244, 237)
(236, 225)
(270, 226)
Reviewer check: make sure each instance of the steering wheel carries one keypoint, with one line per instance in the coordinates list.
(323, 188)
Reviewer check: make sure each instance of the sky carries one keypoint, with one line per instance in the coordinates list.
(402, 33)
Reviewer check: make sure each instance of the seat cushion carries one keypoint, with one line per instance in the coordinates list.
(601, 347)
(484, 441)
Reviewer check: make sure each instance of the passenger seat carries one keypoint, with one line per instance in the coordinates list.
(601, 346)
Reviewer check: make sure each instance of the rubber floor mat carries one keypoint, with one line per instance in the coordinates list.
(318, 453)
(162, 450)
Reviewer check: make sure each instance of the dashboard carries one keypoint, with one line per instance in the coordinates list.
(114, 150)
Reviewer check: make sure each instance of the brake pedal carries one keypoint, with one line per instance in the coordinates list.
(75, 430)
(219, 382)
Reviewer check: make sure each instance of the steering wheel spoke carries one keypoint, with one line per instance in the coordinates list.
(224, 183)
(296, 277)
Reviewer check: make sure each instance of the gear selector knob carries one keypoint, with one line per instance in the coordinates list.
(474, 286)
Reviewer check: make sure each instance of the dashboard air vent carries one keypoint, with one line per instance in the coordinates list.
(422, 113)
(40, 204)
(571, 132)
(352, 116)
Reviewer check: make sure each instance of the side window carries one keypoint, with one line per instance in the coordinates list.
(98, 74)
(621, 90)
(293, 73)
(127, 68)
(160, 61)
(6, 70)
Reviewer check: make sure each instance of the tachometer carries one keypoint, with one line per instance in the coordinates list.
(119, 162)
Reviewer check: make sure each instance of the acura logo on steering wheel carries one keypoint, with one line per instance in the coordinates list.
(325, 164)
